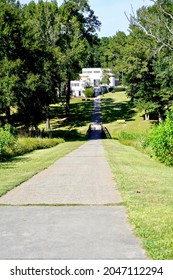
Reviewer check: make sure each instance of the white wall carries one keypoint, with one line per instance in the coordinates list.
(89, 76)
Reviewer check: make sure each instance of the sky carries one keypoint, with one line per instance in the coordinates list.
(111, 13)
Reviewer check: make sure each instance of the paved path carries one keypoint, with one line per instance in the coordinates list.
(81, 232)
(81, 177)
(89, 230)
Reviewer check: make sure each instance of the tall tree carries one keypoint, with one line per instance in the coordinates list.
(77, 26)
(10, 49)
(156, 22)
(40, 61)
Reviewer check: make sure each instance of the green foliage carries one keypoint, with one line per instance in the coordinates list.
(129, 138)
(43, 47)
(143, 59)
(89, 92)
(161, 140)
(22, 146)
(26, 145)
(105, 78)
(119, 89)
(7, 141)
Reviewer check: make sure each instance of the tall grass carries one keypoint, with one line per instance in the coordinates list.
(21, 146)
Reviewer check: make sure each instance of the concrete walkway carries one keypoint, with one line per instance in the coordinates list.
(82, 218)
(81, 177)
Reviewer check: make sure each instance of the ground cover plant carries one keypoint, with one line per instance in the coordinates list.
(19, 169)
(146, 189)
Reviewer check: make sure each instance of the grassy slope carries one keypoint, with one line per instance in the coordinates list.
(80, 118)
(145, 185)
(116, 106)
(20, 169)
(146, 188)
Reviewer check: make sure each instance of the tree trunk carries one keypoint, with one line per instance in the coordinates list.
(47, 123)
(47, 118)
(8, 114)
(68, 91)
(160, 117)
(147, 116)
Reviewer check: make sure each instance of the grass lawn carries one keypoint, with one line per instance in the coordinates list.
(77, 125)
(146, 187)
(119, 115)
(19, 169)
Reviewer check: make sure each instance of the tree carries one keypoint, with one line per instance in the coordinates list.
(135, 59)
(77, 26)
(114, 52)
(156, 22)
(40, 69)
(42, 48)
(9, 79)
(10, 49)
(105, 78)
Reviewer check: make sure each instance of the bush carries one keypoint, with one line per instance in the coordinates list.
(16, 147)
(29, 144)
(118, 89)
(89, 92)
(7, 141)
(136, 140)
(124, 135)
(161, 140)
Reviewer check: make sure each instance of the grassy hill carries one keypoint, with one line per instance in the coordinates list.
(146, 185)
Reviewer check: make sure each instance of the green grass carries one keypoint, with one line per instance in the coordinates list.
(147, 191)
(76, 126)
(117, 106)
(21, 168)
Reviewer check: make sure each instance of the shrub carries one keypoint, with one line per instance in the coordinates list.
(29, 144)
(11, 146)
(124, 135)
(118, 89)
(136, 140)
(89, 92)
(161, 140)
(7, 141)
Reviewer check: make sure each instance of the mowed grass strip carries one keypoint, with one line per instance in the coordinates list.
(146, 187)
(120, 116)
(19, 169)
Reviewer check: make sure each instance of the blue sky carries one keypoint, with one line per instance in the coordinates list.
(111, 13)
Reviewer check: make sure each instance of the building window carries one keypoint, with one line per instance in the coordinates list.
(87, 72)
(97, 83)
(75, 84)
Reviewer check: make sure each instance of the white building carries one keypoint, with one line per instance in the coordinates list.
(92, 77)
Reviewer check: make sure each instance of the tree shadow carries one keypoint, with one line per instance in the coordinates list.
(112, 111)
(67, 134)
(9, 163)
(80, 115)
